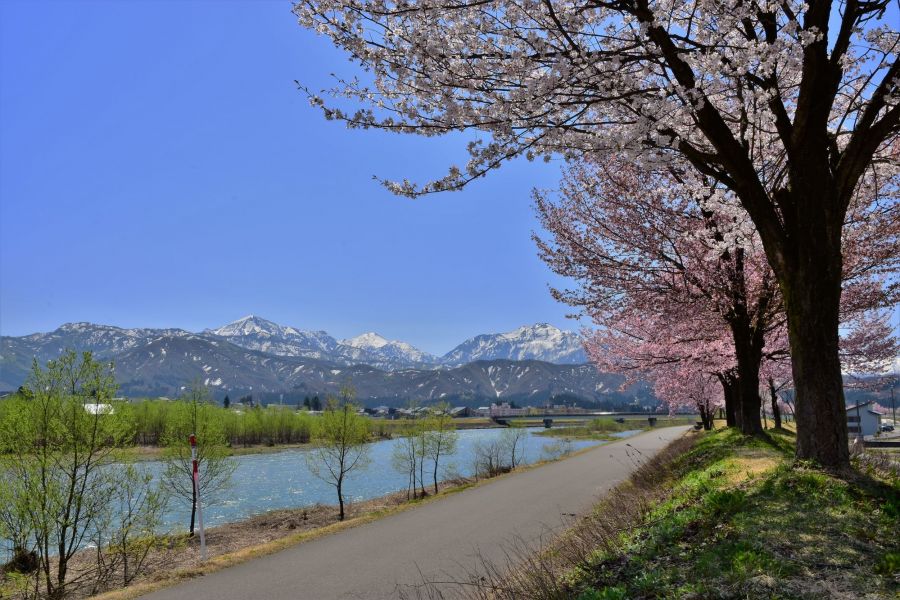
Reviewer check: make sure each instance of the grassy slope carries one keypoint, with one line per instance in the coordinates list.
(744, 520)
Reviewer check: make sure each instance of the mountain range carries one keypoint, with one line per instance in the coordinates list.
(253, 355)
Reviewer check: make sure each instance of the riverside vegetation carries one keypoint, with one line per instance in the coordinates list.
(716, 515)
(603, 428)
(79, 514)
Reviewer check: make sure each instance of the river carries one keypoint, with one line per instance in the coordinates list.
(278, 480)
(264, 482)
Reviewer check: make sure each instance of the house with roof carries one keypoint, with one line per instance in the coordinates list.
(863, 419)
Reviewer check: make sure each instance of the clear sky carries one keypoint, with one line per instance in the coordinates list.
(158, 167)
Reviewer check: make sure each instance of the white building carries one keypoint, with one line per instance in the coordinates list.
(863, 418)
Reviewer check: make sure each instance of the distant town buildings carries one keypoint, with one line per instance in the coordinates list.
(505, 409)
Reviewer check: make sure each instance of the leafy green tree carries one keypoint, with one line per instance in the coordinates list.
(512, 441)
(196, 414)
(56, 442)
(137, 511)
(316, 403)
(226, 402)
(342, 444)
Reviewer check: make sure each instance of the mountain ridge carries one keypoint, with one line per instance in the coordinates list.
(255, 355)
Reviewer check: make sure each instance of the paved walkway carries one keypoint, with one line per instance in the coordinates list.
(439, 539)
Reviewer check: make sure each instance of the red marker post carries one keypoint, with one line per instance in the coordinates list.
(196, 472)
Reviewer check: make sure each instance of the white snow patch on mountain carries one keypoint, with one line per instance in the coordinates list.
(532, 342)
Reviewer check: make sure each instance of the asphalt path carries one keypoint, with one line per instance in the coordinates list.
(440, 540)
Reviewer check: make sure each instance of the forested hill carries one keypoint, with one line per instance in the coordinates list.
(161, 366)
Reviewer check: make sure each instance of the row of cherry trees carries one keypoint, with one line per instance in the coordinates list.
(682, 294)
(788, 109)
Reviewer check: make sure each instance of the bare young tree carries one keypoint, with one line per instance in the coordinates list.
(405, 455)
(133, 530)
(342, 444)
(196, 414)
(488, 458)
(512, 441)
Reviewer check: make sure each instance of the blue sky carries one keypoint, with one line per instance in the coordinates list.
(158, 167)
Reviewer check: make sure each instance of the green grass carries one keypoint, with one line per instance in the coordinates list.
(745, 520)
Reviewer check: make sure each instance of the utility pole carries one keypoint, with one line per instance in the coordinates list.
(859, 433)
(893, 407)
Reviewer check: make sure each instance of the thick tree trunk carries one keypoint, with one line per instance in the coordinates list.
(727, 381)
(750, 403)
(706, 417)
(812, 298)
(776, 412)
(748, 353)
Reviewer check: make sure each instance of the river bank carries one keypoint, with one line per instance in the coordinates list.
(176, 557)
(605, 429)
(272, 480)
(386, 429)
(274, 496)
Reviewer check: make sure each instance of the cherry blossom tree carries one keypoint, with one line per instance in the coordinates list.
(868, 349)
(786, 104)
(641, 248)
(662, 275)
(682, 367)
(682, 385)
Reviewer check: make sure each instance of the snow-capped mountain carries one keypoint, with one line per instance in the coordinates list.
(389, 350)
(254, 352)
(105, 341)
(256, 333)
(532, 342)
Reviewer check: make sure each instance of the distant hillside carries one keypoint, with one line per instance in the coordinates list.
(165, 365)
(276, 362)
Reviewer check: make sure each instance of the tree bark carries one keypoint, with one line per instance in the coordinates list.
(749, 403)
(706, 417)
(436, 457)
(776, 412)
(193, 505)
(748, 353)
(422, 470)
(340, 498)
(812, 295)
(727, 381)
